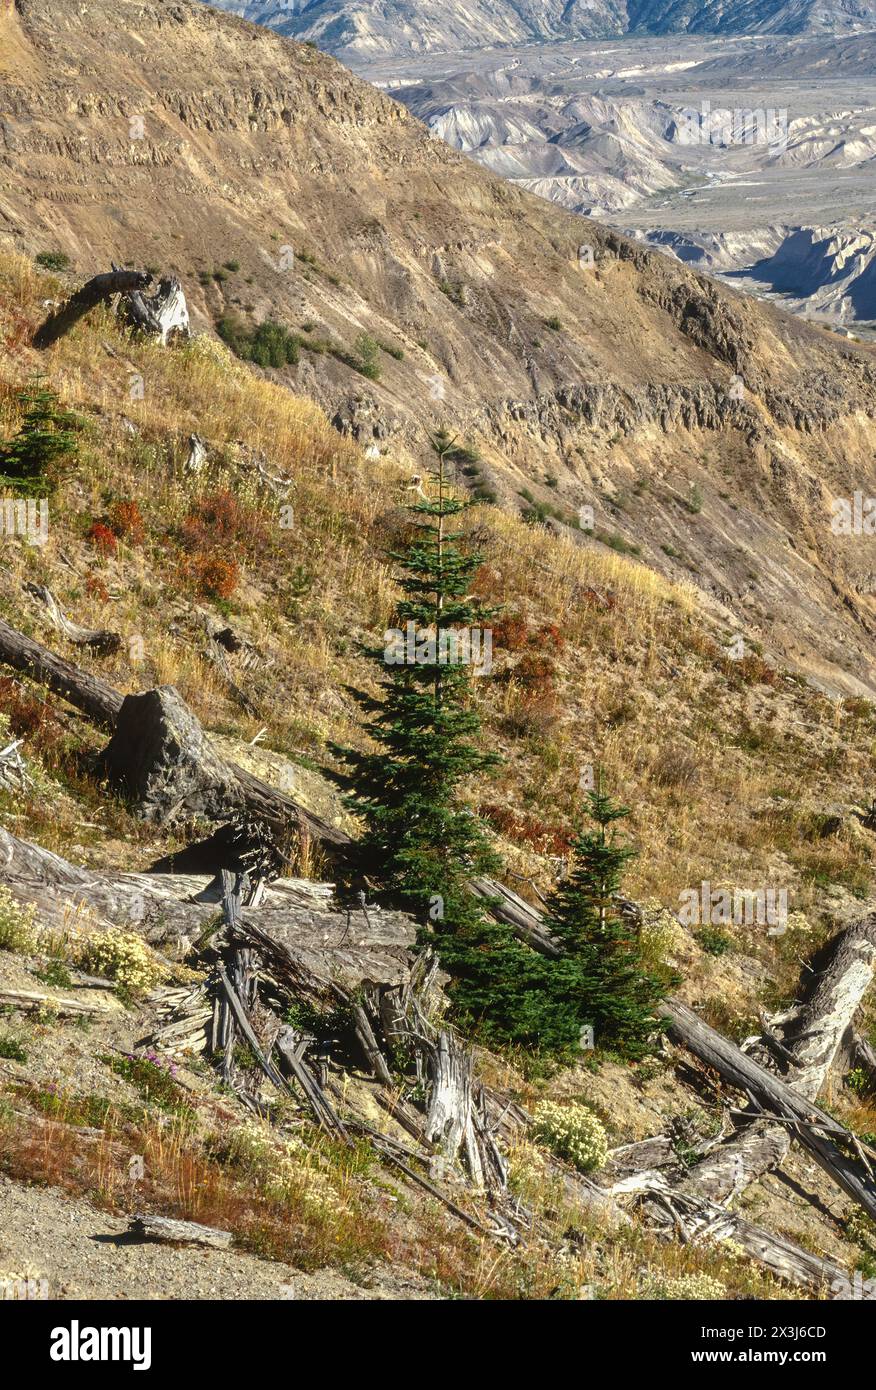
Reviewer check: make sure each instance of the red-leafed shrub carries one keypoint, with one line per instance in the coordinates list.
(126, 521)
(219, 520)
(29, 718)
(534, 672)
(510, 633)
(548, 635)
(213, 575)
(103, 538)
(95, 588)
(522, 828)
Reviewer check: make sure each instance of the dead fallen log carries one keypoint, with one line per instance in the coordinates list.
(160, 757)
(507, 906)
(824, 1137)
(163, 1228)
(813, 1039)
(97, 639)
(157, 716)
(95, 291)
(94, 697)
(814, 1032)
(30, 1001)
(692, 1219)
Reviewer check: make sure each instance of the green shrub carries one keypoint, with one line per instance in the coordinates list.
(53, 260)
(153, 1078)
(56, 974)
(616, 542)
(270, 344)
(714, 942)
(392, 350)
(693, 503)
(11, 1048)
(363, 359)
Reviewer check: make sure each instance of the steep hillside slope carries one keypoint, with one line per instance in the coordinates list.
(737, 774)
(706, 432)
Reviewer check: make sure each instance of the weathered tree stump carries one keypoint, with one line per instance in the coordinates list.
(160, 757)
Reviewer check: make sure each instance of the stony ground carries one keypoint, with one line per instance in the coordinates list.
(85, 1253)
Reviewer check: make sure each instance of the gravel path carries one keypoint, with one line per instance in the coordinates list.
(83, 1253)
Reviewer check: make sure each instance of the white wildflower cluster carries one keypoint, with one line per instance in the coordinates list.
(287, 1171)
(121, 956)
(689, 1287)
(661, 935)
(18, 926)
(572, 1132)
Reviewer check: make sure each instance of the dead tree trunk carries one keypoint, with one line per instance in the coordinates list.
(99, 288)
(99, 701)
(149, 723)
(732, 1167)
(813, 1038)
(98, 639)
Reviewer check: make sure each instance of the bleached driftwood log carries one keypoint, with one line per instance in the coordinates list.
(730, 1168)
(179, 1232)
(691, 1218)
(812, 1040)
(449, 1117)
(171, 912)
(163, 314)
(97, 639)
(31, 1001)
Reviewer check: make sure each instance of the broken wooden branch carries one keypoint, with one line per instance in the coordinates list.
(96, 290)
(99, 701)
(97, 639)
(695, 1220)
(163, 1228)
(13, 772)
(31, 1001)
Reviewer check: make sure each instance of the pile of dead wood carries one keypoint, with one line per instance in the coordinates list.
(163, 761)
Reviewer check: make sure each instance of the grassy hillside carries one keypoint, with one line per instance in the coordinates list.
(737, 772)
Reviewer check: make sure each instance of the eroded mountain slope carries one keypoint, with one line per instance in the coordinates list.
(706, 432)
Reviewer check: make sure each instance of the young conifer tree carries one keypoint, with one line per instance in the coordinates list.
(602, 980)
(31, 462)
(421, 843)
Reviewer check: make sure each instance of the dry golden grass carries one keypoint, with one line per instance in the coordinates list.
(727, 776)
